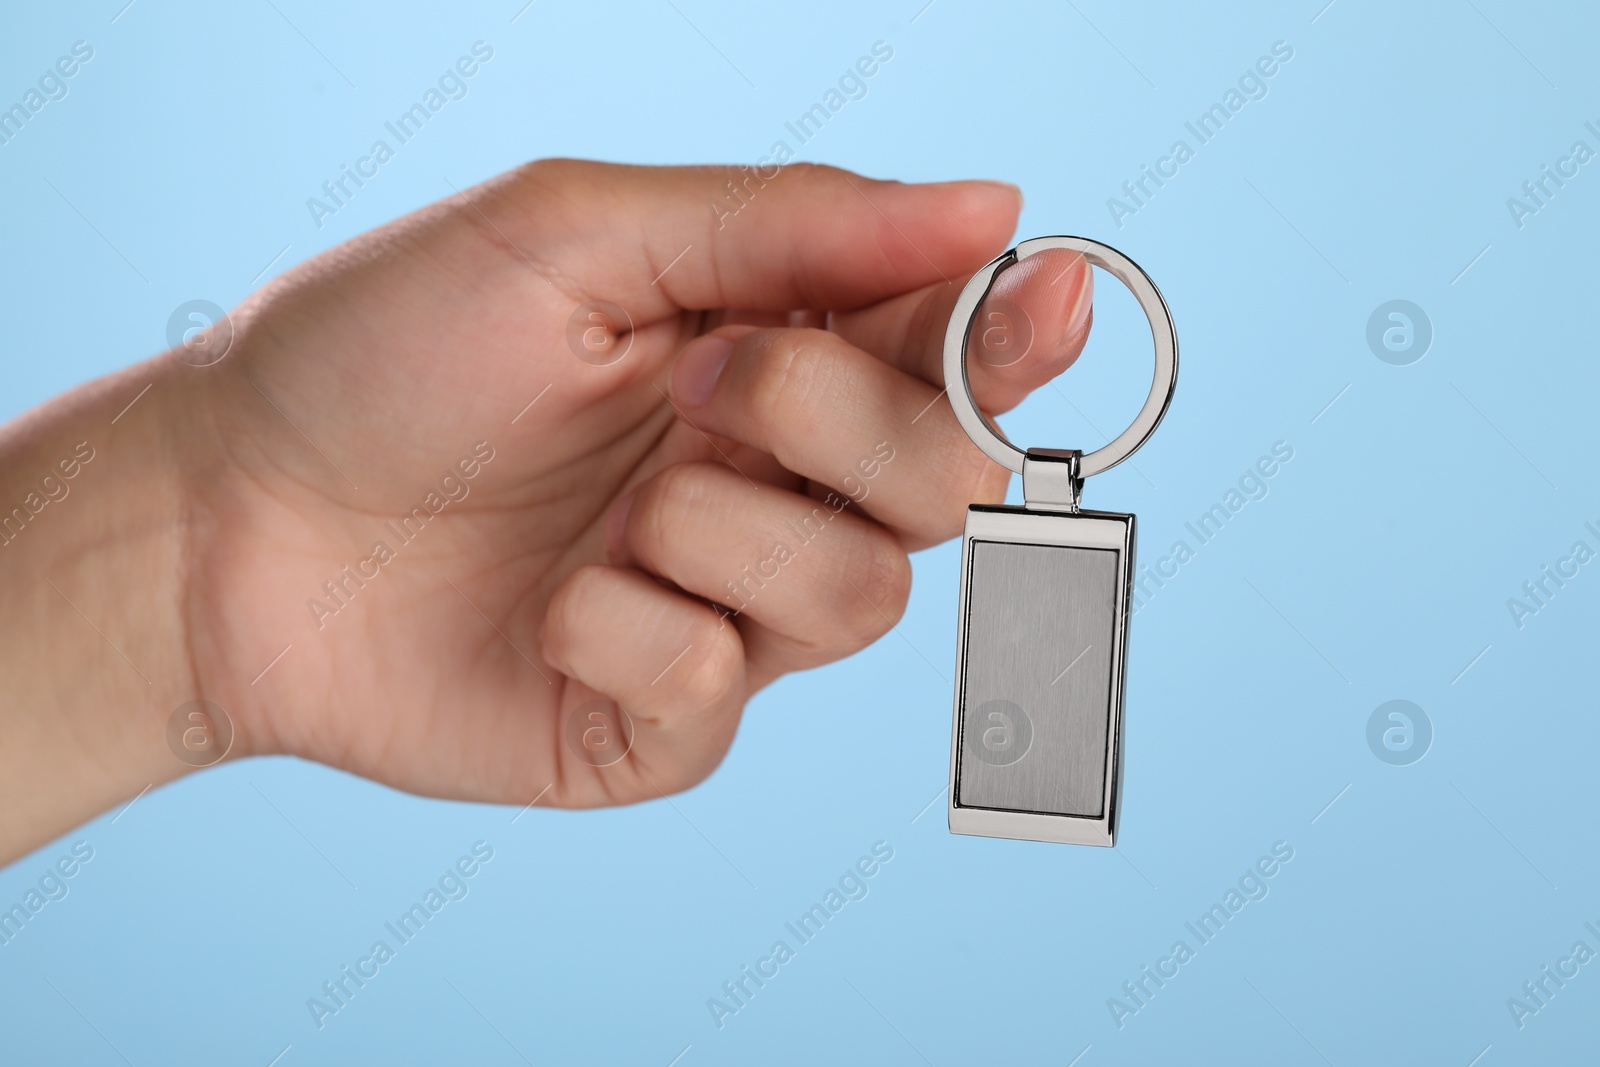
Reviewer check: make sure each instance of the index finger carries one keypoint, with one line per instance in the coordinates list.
(1030, 328)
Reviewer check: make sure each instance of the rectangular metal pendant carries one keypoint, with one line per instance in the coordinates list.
(1036, 748)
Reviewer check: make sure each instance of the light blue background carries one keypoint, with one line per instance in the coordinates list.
(1377, 167)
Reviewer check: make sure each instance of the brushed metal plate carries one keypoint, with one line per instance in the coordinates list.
(1038, 678)
(1036, 749)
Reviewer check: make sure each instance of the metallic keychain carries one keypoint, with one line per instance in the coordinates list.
(1042, 635)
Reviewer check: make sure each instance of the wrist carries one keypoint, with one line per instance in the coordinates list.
(93, 536)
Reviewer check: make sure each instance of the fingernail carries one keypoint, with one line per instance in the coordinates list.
(1082, 306)
(1014, 190)
(617, 527)
(698, 368)
(1009, 189)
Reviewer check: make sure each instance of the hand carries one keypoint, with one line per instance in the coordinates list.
(476, 544)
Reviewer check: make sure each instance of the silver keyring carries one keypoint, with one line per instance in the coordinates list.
(983, 433)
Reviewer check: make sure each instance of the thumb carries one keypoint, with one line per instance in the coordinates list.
(662, 239)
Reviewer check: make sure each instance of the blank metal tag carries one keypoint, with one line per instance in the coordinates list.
(1042, 634)
(1040, 662)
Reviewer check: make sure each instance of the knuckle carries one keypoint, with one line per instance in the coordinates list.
(714, 677)
(788, 379)
(878, 586)
(664, 514)
(814, 175)
(564, 613)
(544, 173)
